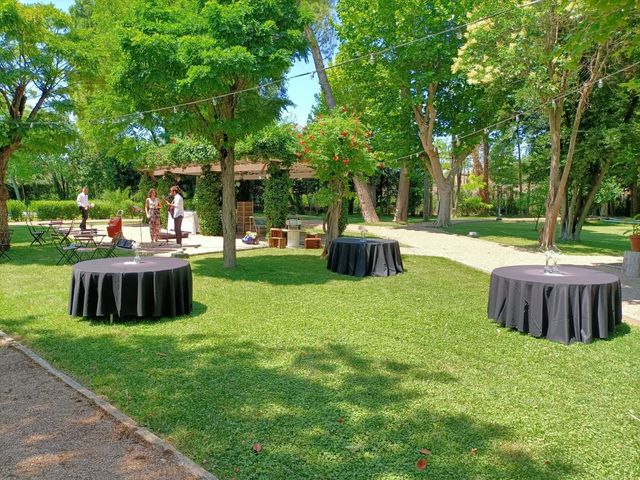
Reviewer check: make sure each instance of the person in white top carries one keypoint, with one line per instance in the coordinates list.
(176, 207)
(82, 201)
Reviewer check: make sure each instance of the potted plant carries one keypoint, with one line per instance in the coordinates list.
(634, 238)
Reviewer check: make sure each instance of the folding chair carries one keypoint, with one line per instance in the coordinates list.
(5, 243)
(107, 250)
(67, 253)
(36, 233)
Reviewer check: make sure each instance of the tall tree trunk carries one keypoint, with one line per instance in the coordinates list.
(477, 163)
(318, 61)
(455, 194)
(519, 164)
(367, 205)
(402, 200)
(426, 121)
(633, 193)
(588, 203)
(484, 191)
(558, 181)
(5, 154)
(426, 200)
(228, 206)
(16, 187)
(367, 202)
(445, 190)
(570, 214)
(333, 220)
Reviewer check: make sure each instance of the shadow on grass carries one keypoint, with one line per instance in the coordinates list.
(276, 269)
(318, 411)
(132, 321)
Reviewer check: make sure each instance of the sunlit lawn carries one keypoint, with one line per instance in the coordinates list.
(343, 378)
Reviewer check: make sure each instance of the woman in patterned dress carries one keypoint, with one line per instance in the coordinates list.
(152, 208)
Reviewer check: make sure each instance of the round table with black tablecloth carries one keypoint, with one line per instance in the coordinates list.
(155, 287)
(578, 305)
(362, 257)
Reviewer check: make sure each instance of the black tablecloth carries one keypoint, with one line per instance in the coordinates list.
(156, 287)
(358, 257)
(580, 305)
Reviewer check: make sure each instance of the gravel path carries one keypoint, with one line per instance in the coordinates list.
(484, 255)
(50, 431)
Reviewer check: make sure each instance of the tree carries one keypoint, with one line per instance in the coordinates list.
(548, 51)
(321, 11)
(175, 53)
(441, 103)
(336, 146)
(37, 55)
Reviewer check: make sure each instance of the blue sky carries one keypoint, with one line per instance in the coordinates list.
(302, 90)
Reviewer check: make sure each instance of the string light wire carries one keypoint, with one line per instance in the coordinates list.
(518, 115)
(370, 56)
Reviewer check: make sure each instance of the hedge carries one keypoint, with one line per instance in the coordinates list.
(207, 201)
(68, 210)
(16, 209)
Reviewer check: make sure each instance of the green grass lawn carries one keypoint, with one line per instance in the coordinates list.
(343, 378)
(598, 238)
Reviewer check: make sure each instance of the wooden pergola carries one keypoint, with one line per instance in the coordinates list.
(244, 170)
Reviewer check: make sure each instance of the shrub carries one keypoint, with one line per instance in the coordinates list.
(276, 197)
(16, 209)
(473, 206)
(68, 210)
(207, 201)
(52, 209)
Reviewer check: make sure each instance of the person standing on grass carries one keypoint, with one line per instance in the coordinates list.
(152, 209)
(176, 208)
(83, 204)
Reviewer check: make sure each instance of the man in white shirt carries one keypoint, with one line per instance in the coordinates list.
(83, 204)
(177, 209)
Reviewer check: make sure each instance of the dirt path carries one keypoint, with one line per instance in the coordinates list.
(50, 431)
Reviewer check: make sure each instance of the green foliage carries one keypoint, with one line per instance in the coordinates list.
(146, 184)
(635, 226)
(274, 142)
(116, 196)
(473, 206)
(336, 146)
(276, 197)
(193, 49)
(180, 152)
(52, 209)
(16, 210)
(68, 210)
(208, 201)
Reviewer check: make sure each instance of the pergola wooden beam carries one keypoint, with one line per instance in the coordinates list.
(244, 170)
